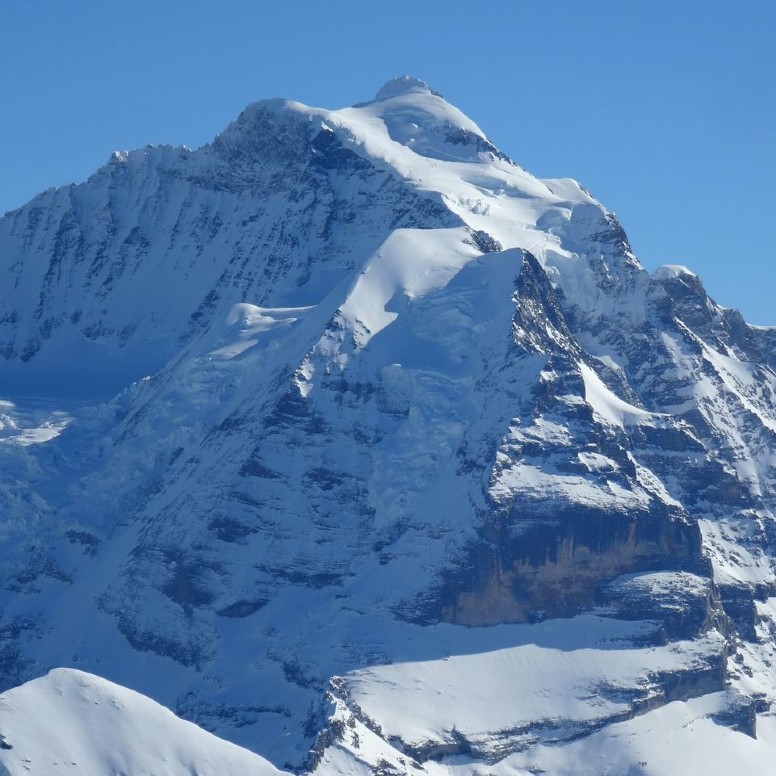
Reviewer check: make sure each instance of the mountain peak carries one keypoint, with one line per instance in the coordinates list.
(373, 452)
(404, 84)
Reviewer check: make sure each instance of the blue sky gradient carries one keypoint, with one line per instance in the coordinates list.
(664, 111)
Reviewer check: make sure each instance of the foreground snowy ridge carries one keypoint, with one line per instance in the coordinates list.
(354, 443)
(76, 723)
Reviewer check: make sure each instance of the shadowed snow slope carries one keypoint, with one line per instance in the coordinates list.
(351, 441)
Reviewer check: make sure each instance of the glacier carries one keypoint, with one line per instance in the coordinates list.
(352, 442)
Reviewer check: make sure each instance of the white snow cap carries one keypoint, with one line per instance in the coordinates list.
(668, 271)
(73, 722)
(404, 84)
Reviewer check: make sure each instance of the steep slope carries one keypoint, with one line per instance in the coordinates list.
(400, 402)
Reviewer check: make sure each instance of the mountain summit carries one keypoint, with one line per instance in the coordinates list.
(351, 441)
(404, 84)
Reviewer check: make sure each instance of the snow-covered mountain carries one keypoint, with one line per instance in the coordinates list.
(70, 722)
(354, 443)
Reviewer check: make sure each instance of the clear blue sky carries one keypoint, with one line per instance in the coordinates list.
(666, 111)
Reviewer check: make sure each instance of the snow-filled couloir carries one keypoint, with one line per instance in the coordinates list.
(351, 441)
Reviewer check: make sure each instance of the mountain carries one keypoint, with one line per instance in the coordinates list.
(72, 722)
(356, 444)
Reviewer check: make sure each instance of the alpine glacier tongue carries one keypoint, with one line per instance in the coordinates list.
(334, 434)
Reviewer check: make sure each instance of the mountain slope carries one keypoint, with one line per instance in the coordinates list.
(400, 402)
(71, 722)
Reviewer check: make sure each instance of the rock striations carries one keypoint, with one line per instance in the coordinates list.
(352, 442)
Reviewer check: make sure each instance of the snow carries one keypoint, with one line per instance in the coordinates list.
(670, 271)
(247, 325)
(682, 737)
(404, 84)
(733, 563)
(73, 722)
(606, 405)
(409, 131)
(514, 689)
(545, 482)
(33, 424)
(413, 262)
(279, 395)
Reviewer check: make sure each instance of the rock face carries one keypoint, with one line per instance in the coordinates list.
(350, 394)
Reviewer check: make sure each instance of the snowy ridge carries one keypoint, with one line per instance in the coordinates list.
(340, 432)
(73, 722)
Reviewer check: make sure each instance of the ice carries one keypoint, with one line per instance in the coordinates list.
(247, 324)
